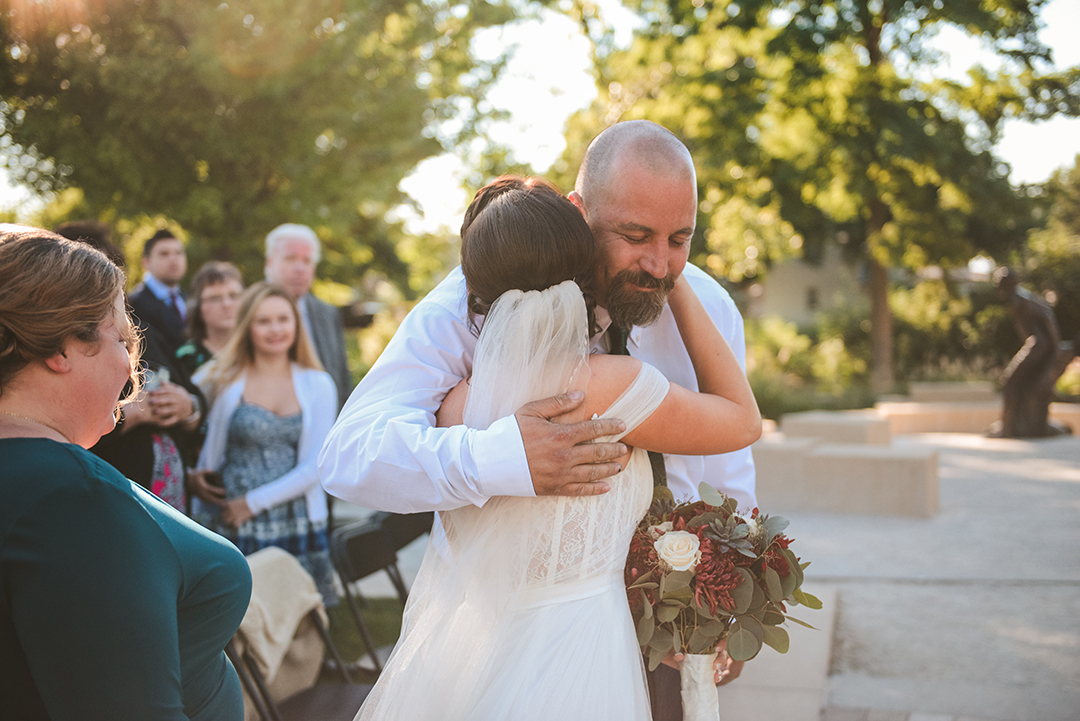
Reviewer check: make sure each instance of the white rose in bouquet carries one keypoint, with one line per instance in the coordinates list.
(679, 549)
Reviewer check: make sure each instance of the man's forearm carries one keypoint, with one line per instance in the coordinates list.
(405, 465)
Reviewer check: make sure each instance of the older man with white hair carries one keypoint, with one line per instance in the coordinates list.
(292, 252)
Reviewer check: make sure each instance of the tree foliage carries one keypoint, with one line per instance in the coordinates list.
(229, 118)
(822, 121)
(1051, 260)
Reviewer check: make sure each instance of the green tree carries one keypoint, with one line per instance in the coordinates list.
(228, 118)
(822, 121)
(1051, 260)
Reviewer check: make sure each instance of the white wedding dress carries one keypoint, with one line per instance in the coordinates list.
(519, 612)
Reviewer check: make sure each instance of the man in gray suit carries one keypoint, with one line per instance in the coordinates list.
(292, 252)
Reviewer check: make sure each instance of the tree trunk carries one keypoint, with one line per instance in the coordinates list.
(882, 375)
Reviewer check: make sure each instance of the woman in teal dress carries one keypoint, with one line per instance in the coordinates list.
(113, 605)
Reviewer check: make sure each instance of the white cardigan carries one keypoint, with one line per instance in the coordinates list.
(318, 405)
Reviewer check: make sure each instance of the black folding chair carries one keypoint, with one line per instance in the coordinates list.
(321, 702)
(359, 550)
(404, 528)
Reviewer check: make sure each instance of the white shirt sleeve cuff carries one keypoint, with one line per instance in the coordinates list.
(502, 468)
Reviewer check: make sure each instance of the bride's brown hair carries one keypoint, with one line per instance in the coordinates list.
(523, 234)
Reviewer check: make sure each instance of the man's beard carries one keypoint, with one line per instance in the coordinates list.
(629, 306)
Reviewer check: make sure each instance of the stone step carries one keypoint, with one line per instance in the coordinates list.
(942, 392)
(799, 474)
(862, 426)
(952, 417)
(1067, 414)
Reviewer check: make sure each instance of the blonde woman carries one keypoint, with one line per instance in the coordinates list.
(272, 406)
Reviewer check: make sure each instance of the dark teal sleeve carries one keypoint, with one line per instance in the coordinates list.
(93, 586)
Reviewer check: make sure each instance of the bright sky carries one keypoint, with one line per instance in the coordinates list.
(548, 79)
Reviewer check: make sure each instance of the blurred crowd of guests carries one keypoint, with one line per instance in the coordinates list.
(240, 388)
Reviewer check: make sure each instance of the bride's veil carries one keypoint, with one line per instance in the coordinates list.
(533, 345)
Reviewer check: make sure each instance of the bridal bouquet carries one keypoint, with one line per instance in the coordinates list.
(701, 572)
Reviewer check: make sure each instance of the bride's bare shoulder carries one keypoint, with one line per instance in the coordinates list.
(611, 375)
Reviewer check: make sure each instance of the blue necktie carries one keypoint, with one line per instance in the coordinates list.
(174, 303)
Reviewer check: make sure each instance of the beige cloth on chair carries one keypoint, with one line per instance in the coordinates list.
(276, 632)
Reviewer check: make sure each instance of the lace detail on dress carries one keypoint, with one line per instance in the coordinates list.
(575, 537)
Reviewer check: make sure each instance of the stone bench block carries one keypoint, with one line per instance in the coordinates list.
(1068, 414)
(866, 427)
(954, 417)
(895, 481)
(780, 467)
(944, 392)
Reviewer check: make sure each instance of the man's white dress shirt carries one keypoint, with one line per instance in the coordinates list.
(384, 451)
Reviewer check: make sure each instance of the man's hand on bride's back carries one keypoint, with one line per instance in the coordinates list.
(562, 461)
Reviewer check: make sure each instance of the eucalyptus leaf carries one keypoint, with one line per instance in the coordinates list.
(752, 625)
(699, 642)
(661, 640)
(655, 658)
(710, 495)
(676, 640)
(675, 580)
(647, 606)
(683, 596)
(645, 628)
(713, 628)
(774, 526)
(759, 600)
(772, 584)
(647, 584)
(743, 594)
(772, 618)
(788, 584)
(801, 623)
(793, 564)
(641, 580)
(777, 638)
(703, 519)
(807, 600)
(667, 614)
(743, 645)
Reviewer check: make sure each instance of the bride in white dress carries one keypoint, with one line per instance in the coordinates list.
(519, 611)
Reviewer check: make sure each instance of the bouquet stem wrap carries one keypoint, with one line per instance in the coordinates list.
(700, 702)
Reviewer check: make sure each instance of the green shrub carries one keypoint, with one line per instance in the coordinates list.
(792, 371)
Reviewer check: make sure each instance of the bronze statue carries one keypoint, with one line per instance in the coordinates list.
(1033, 371)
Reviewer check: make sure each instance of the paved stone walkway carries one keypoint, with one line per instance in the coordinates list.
(972, 615)
(837, 713)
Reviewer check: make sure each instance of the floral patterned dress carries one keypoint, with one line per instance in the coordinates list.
(262, 447)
